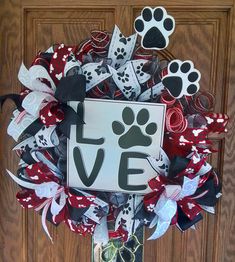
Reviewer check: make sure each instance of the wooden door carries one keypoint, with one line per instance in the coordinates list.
(205, 33)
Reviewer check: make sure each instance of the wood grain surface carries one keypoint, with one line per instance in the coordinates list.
(205, 33)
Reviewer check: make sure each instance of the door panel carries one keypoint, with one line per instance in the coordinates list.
(204, 34)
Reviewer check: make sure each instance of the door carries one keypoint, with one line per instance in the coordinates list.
(205, 33)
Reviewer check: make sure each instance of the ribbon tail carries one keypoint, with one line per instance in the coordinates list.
(23, 76)
(70, 118)
(55, 207)
(14, 97)
(154, 222)
(160, 230)
(101, 235)
(165, 210)
(21, 182)
(44, 225)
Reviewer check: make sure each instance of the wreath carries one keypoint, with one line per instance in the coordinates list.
(116, 67)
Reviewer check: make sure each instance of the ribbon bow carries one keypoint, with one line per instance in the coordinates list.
(175, 197)
(55, 201)
(43, 197)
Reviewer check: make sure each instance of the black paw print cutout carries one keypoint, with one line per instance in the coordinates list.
(134, 136)
(182, 78)
(126, 209)
(124, 39)
(120, 53)
(88, 76)
(123, 76)
(154, 26)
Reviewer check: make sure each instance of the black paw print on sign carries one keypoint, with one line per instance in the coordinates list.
(123, 77)
(120, 53)
(154, 26)
(123, 39)
(126, 209)
(88, 76)
(164, 167)
(134, 136)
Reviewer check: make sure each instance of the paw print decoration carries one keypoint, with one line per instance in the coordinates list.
(181, 78)
(154, 26)
(132, 134)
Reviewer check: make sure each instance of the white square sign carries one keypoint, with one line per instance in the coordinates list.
(109, 151)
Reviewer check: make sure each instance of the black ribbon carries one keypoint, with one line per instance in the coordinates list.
(76, 213)
(208, 199)
(14, 97)
(71, 88)
(184, 222)
(33, 128)
(178, 164)
(70, 118)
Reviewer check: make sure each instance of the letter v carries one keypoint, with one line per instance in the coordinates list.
(88, 180)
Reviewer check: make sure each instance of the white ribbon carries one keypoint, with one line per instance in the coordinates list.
(30, 78)
(35, 101)
(101, 235)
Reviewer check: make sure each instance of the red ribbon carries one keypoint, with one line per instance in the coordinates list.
(175, 120)
(119, 233)
(202, 102)
(167, 99)
(51, 114)
(99, 42)
(216, 122)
